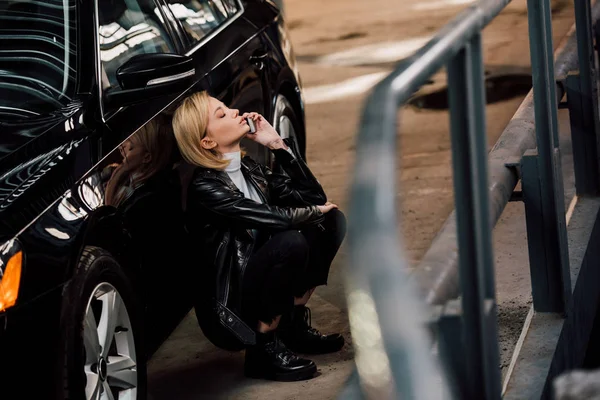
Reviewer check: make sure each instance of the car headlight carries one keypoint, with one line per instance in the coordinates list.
(11, 261)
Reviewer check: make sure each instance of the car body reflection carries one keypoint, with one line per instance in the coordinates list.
(81, 207)
(140, 181)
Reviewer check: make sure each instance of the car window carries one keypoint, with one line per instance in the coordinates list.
(38, 57)
(201, 17)
(128, 28)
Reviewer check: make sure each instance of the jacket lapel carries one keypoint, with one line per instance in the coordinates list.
(227, 180)
(254, 176)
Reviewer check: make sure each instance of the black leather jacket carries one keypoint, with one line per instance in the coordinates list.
(229, 227)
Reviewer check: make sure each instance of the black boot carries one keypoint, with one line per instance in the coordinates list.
(270, 359)
(298, 335)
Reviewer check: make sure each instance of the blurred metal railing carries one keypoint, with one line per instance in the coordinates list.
(393, 351)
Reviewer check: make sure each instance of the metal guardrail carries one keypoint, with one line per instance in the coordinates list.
(393, 356)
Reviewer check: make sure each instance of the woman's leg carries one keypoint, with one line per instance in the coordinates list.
(296, 330)
(268, 289)
(300, 301)
(324, 242)
(269, 279)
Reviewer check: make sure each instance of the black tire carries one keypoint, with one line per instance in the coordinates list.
(284, 110)
(95, 268)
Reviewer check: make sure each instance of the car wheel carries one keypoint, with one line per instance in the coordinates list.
(286, 124)
(102, 348)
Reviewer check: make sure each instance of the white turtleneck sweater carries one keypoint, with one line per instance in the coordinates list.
(235, 173)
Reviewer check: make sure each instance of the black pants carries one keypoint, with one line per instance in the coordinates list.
(289, 264)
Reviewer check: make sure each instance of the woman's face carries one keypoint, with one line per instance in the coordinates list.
(134, 154)
(225, 127)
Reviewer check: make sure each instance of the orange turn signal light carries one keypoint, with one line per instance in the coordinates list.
(10, 281)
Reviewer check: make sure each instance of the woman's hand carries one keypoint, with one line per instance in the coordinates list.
(327, 207)
(265, 134)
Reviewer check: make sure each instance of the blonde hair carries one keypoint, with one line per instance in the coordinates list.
(190, 123)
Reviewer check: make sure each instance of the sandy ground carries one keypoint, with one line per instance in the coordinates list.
(187, 367)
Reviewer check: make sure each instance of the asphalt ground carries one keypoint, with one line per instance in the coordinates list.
(344, 47)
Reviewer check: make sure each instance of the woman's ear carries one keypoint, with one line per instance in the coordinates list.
(147, 158)
(208, 143)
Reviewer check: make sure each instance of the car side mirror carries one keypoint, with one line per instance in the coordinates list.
(148, 76)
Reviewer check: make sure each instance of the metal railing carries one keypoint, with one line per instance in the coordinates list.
(388, 323)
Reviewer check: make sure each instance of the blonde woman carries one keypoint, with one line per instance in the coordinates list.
(269, 239)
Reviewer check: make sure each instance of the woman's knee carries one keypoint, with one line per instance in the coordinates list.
(335, 223)
(292, 243)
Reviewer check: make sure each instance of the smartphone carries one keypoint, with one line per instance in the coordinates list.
(251, 125)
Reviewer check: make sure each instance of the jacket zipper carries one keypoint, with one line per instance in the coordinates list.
(226, 296)
(258, 189)
(243, 269)
(219, 249)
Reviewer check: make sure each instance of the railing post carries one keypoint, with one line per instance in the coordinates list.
(469, 160)
(451, 347)
(542, 175)
(596, 33)
(583, 136)
(582, 98)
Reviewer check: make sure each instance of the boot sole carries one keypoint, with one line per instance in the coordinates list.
(300, 375)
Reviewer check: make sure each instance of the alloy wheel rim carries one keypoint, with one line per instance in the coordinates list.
(110, 360)
(285, 128)
(283, 125)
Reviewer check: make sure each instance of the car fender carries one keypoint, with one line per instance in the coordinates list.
(53, 243)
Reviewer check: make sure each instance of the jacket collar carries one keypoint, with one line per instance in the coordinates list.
(251, 169)
(250, 165)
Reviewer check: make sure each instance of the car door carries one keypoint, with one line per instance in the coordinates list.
(128, 28)
(226, 45)
(135, 175)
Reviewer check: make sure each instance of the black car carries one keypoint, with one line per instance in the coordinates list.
(96, 268)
